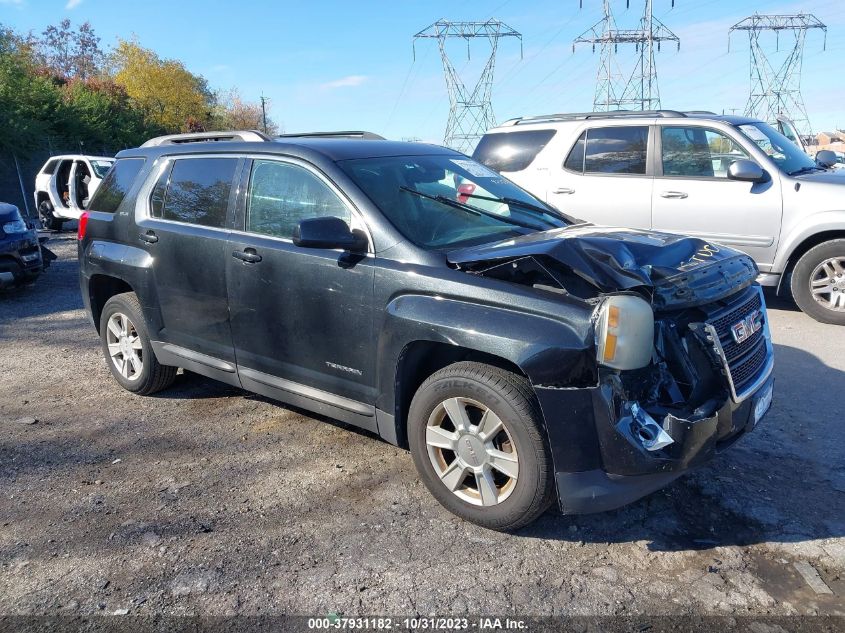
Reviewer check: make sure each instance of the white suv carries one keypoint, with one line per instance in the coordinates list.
(730, 180)
(64, 184)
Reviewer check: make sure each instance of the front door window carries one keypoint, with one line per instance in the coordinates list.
(697, 152)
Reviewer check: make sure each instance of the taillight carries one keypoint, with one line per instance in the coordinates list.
(465, 190)
(83, 224)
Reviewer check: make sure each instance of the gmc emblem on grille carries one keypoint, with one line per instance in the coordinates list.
(749, 325)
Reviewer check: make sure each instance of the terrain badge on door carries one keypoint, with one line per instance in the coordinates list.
(348, 370)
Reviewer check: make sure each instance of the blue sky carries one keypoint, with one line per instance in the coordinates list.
(348, 65)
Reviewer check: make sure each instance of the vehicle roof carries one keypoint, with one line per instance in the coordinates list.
(631, 118)
(334, 149)
(78, 157)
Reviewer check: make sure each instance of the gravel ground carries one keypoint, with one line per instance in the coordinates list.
(205, 499)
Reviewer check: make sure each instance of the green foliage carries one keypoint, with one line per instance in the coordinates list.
(63, 85)
(30, 106)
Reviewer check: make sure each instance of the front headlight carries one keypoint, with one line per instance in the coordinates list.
(624, 332)
(16, 226)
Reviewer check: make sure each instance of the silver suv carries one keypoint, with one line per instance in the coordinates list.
(730, 180)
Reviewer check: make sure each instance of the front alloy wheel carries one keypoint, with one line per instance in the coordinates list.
(477, 438)
(125, 347)
(472, 451)
(827, 283)
(818, 282)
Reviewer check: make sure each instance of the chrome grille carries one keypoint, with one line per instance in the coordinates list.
(744, 361)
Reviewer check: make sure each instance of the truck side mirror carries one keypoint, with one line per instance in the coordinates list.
(825, 158)
(746, 171)
(328, 232)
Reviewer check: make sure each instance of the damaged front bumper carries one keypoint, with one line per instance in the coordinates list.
(20, 261)
(635, 473)
(621, 440)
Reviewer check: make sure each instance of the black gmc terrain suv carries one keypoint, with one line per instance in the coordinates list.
(521, 355)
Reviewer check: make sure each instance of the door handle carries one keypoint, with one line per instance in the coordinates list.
(247, 255)
(564, 190)
(674, 194)
(149, 237)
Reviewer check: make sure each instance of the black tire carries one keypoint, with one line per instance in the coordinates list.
(512, 399)
(48, 220)
(802, 279)
(153, 376)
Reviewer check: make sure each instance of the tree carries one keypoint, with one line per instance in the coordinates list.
(56, 46)
(29, 104)
(67, 54)
(87, 56)
(233, 113)
(164, 90)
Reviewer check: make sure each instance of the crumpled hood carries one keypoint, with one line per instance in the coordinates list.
(677, 271)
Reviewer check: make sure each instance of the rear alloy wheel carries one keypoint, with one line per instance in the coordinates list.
(127, 347)
(477, 440)
(818, 282)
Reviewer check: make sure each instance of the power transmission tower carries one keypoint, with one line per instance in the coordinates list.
(776, 92)
(470, 111)
(640, 90)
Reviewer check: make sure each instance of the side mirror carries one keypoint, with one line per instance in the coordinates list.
(746, 171)
(328, 232)
(826, 158)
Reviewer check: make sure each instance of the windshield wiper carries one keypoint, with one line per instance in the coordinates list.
(471, 209)
(804, 170)
(516, 202)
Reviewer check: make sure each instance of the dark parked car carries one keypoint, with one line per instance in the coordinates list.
(522, 356)
(20, 251)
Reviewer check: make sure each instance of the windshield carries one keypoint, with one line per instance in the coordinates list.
(444, 201)
(786, 154)
(101, 167)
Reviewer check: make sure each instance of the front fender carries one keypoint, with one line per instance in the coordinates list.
(551, 352)
(807, 227)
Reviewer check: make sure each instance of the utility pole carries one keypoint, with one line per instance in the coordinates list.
(640, 91)
(264, 112)
(470, 112)
(778, 92)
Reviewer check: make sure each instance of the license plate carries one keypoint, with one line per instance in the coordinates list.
(764, 401)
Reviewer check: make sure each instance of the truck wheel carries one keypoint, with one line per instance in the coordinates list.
(818, 282)
(127, 348)
(477, 439)
(48, 220)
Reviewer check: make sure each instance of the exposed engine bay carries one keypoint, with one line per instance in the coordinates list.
(698, 294)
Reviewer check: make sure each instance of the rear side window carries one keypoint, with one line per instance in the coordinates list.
(195, 190)
(50, 167)
(512, 151)
(610, 150)
(116, 185)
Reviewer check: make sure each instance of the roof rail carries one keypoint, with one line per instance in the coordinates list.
(613, 114)
(688, 112)
(361, 134)
(202, 137)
